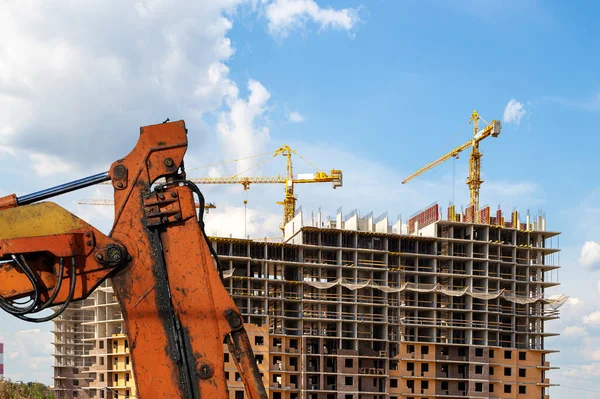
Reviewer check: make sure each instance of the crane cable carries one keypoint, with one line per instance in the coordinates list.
(232, 161)
(308, 162)
(252, 167)
(444, 146)
(483, 119)
(454, 163)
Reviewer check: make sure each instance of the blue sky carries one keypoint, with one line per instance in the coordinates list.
(374, 88)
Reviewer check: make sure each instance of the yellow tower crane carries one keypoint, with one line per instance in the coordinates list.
(289, 201)
(474, 180)
(108, 202)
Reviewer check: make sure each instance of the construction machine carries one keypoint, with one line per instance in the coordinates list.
(165, 274)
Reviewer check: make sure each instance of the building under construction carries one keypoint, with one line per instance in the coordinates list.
(350, 308)
(91, 350)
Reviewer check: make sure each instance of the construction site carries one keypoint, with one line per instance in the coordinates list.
(450, 304)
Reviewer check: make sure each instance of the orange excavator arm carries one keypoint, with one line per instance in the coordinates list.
(167, 278)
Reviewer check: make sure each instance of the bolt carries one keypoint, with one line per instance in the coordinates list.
(177, 217)
(120, 185)
(205, 372)
(88, 234)
(89, 243)
(165, 219)
(114, 254)
(161, 196)
(100, 257)
(173, 195)
(119, 171)
(169, 162)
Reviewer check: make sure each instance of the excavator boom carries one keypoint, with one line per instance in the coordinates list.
(167, 279)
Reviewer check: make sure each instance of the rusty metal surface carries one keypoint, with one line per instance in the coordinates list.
(177, 312)
(241, 350)
(43, 234)
(9, 201)
(142, 287)
(171, 294)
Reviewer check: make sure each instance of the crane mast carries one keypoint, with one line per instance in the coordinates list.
(474, 180)
(289, 201)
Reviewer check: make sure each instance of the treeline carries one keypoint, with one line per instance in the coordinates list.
(24, 390)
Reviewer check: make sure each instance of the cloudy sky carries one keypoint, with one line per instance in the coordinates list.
(375, 88)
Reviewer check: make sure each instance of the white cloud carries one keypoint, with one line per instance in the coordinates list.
(592, 103)
(573, 301)
(286, 15)
(591, 369)
(590, 254)
(46, 165)
(585, 370)
(239, 129)
(29, 353)
(574, 331)
(79, 79)
(229, 220)
(589, 347)
(294, 117)
(513, 112)
(6, 150)
(571, 372)
(592, 319)
(513, 193)
(81, 90)
(598, 286)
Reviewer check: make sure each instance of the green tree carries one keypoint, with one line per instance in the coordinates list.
(24, 390)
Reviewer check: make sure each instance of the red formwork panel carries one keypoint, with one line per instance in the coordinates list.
(483, 216)
(469, 214)
(424, 218)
